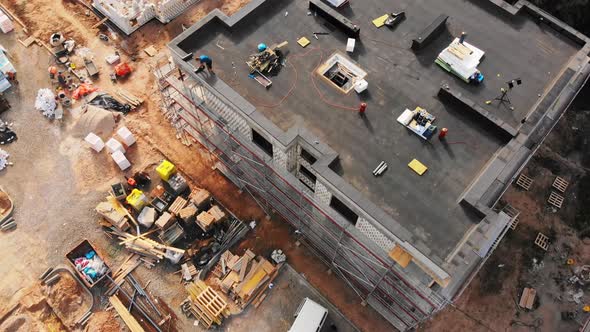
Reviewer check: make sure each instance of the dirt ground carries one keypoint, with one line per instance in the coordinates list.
(57, 181)
(490, 302)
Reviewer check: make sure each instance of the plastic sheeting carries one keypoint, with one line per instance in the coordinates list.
(107, 101)
(45, 102)
(6, 134)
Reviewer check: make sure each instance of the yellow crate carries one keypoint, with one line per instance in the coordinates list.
(166, 169)
(137, 199)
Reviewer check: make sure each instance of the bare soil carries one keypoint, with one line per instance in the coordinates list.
(103, 321)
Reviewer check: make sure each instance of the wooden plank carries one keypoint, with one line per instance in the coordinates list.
(129, 320)
(243, 267)
(400, 256)
(100, 22)
(527, 299)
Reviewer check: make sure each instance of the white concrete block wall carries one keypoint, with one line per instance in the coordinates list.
(123, 12)
(279, 157)
(322, 194)
(370, 231)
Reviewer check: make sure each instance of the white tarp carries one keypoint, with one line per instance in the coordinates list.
(466, 65)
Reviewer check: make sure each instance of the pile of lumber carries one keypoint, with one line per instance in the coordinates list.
(205, 304)
(114, 213)
(246, 278)
(214, 215)
(128, 98)
(142, 245)
(200, 197)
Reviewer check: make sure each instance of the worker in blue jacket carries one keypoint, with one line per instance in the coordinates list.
(205, 61)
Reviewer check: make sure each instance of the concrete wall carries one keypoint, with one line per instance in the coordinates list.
(131, 15)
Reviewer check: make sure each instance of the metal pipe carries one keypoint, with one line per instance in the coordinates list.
(381, 170)
(378, 166)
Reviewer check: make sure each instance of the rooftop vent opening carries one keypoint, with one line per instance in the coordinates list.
(341, 72)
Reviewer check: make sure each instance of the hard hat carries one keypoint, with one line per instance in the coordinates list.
(261, 47)
(203, 57)
(53, 70)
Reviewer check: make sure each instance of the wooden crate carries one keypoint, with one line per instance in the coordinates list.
(555, 200)
(524, 182)
(560, 184)
(542, 241)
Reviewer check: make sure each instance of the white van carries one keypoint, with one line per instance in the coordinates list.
(310, 317)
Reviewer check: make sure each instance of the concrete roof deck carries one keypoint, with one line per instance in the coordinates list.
(398, 79)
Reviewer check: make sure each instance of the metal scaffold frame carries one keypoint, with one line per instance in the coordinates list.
(196, 107)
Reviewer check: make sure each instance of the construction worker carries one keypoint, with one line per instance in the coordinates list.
(206, 61)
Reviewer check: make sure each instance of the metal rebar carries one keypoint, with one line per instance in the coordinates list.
(141, 291)
(137, 305)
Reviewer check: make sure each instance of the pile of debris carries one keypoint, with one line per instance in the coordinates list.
(245, 278)
(169, 220)
(45, 103)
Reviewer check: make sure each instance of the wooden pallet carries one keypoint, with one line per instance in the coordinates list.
(560, 184)
(524, 182)
(178, 204)
(208, 306)
(542, 241)
(555, 199)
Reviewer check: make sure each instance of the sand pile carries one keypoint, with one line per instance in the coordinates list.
(95, 120)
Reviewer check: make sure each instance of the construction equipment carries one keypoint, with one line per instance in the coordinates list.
(267, 61)
(90, 67)
(394, 19)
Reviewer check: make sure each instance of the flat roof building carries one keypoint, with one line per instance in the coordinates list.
(407, 244)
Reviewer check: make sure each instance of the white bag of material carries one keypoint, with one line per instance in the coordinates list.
(45, 102)
(121, 160)
(6, 24)
(126, 136)
(96, 143)
(3, 159)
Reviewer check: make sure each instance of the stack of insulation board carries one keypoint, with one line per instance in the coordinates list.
(460, 59)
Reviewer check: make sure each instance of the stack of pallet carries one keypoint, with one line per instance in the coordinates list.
(246, 277)
(206, 305)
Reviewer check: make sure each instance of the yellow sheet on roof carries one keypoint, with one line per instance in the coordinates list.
(417, 167)
(380, 21)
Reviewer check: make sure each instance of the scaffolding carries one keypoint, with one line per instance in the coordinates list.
(197, 109)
